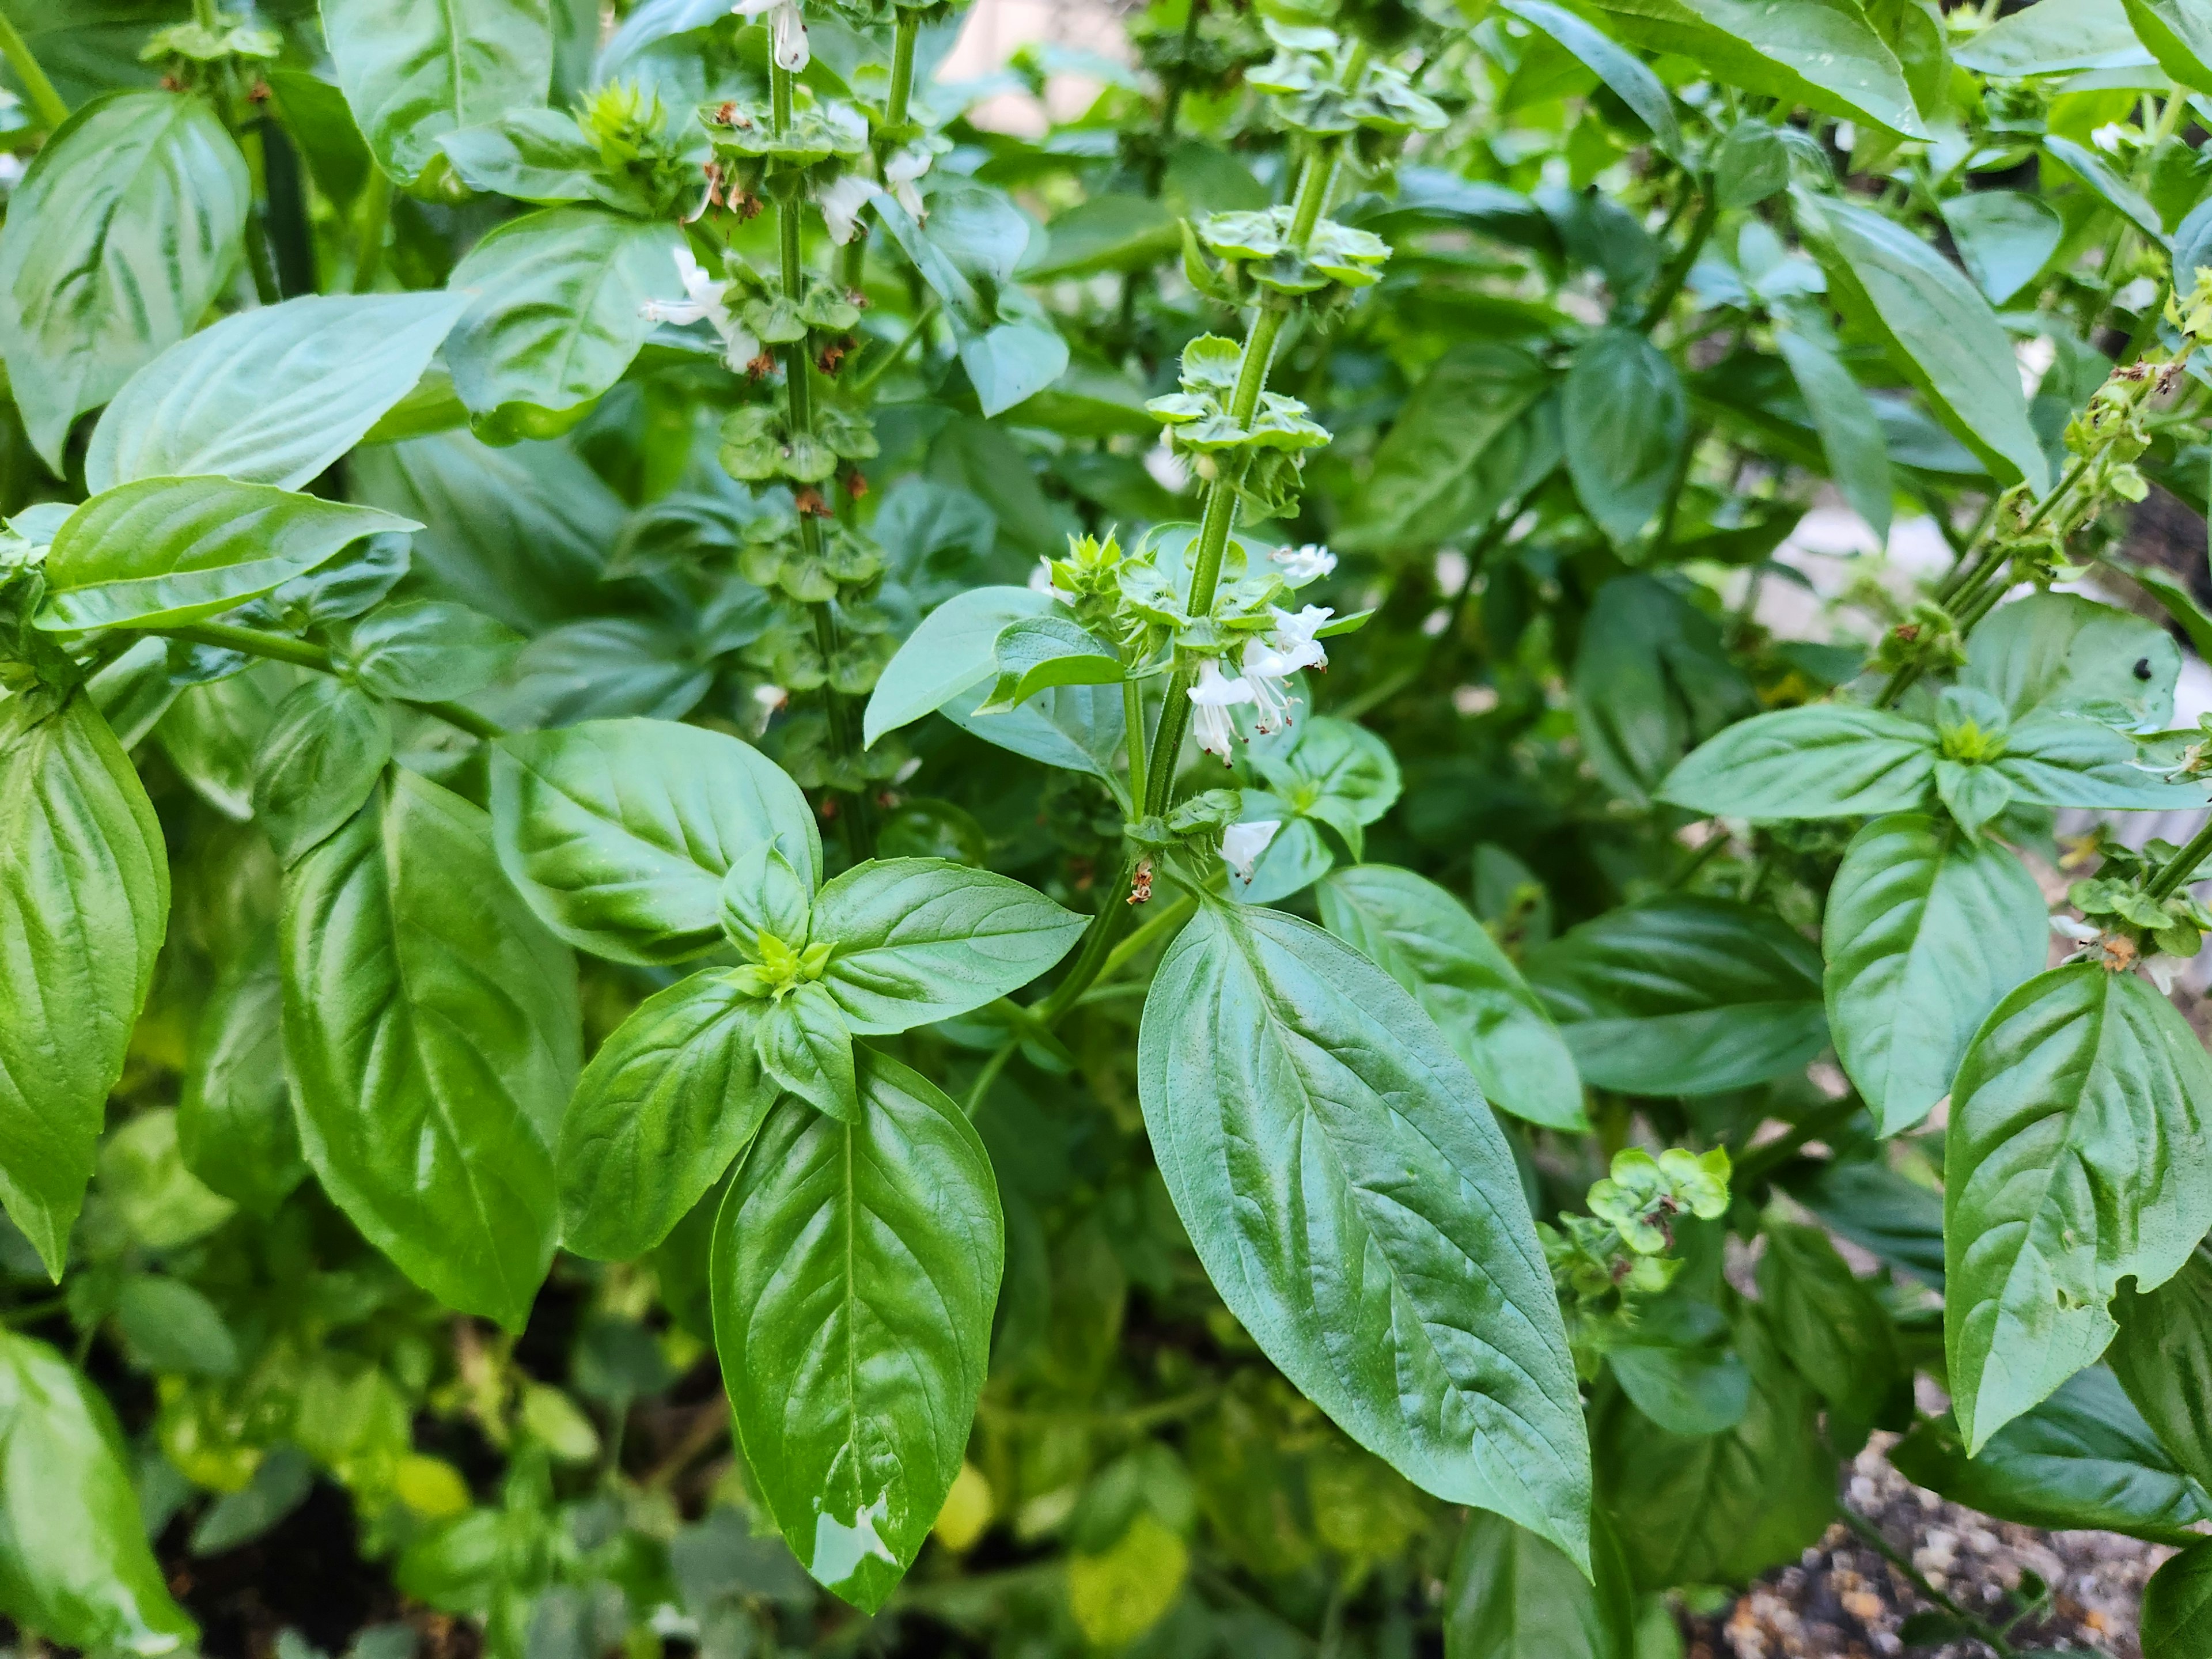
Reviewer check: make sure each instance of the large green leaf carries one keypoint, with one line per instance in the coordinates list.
(1683, 995)
(2060, 760)
(165, 551)
(1825, 760)
(84, 900)
(619, 832)
(75, 1564)
(2059, 653)
(322, 753)
(1851, 437)
(1926, 930)
(954, 650)
(1462, 444)
(1650, 680)
(2004, 237)
(234, 1124)
(1940, 331)
(213, 731)
(2178, 33)
(1832, 1327)
(1623, 73)
(2084, 1458)
(271, 396)
(1515, 1595)
(855, 1269)
(558, 308)
(2054, 36)
(2176, 1606)
(432, 1034)
(413, 73)
(115, 241)
(1627, 419)
(668, 1101)
(1424, 938)
(2163, 1358)
(2076, 1157)
(1358, 1210)
(918, 940)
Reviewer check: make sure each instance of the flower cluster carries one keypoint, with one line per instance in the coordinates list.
(1604, 1264)
(1264, 669)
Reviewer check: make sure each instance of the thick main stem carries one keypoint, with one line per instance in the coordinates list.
(44, 100)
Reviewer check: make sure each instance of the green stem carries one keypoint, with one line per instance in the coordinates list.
(1097, 942)
(902, 93)
(1984, 1631)
(374, 213)
(878, 370)
(282, 647)
(1133, 720)
(986, 1077)
(1678, 270)
(44, 100)
(265, 286)
(2182, 864)
(203, 13)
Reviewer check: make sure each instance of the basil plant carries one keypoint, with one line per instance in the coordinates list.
(1331, 859)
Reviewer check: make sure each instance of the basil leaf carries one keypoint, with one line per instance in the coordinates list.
(1683, 995)
(619, 832)
(2059, 653)
(1851, 438)
(2055, 35)
(1927, 928)
(807, 1048)
(2176, 1606)
(321, 756)
(918, 940)
(2163, 1358)
(558, 309)
(272, 396)
(75, 1564)
(214, 729)
(1077, 728)
(1036, 653)
(1335, 771)
(1688, 1390)
(668, 1101)
(2063, 760)
(428, 650)
(855, 1268)
(164, 552)
(2003, 236)
(1359, 1213)
(1940, 332)
(1627, 418)
(117, 241)
(2178, 33)
(2116, 193)
(1650, 680)
(1295, 859)
(606, 668)
(2083, 1459)
(531, 155)
(1866, 1201)
(84, 900)
(432, 1034)
(1624, 74)
(2078, 1126)
(1424, 938)
(235, 1127)
(1825, 760)
(412, 74)
(1514, 1595)
(954, 650)
(1832, 1327)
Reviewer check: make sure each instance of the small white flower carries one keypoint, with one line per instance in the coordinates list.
(2109, 137)
(1213, 696)
(702, 302)
(2162, 970)
(1243, 844)
(1303, 564)
(841, 202)
(1041, 583)
(2079, 931)
(772, 699)
(1267, 672)
(791, 51)
(1293, 636)
(903, 173)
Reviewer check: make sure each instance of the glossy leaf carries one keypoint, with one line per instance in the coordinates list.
(117, 239)
(213, 731)
(322, 754)
(1624, 74)
(2075, 1157)
(1627, 420)
(954, 650)
(1825, 760)
(1832, 1326)
(431, 1031)
(1358, 1212)
(2163, 1358)
(1651, 681)
(2176, 1606)
(2178, 33)
(84, 900)
(1926, 930)
(271, 396)
(917, 940)
(2055, 35)
(619, 832)
(412, 74)
(1515, 1595)
(667, 1101)
(855, 1269)
(164, 552)
(2004, 237)
(234, 1126)
(1851, 437)
(1425, 939)
(1683, 995)
(807, 1049)
(1686, 1391)
(2060, 653)
(1039, 653)
(428, 650)
(2060, 760)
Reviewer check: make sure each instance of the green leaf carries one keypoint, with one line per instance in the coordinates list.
(2076, 1134)
(2116, 193)
(558, 308)
(1685, 1390)
(1621, 71)
(804, 1045)
(161, 1204)
(619, 832)
(2004, 237)
(1939, 332)
(75, 1564)
(953, 651)
(272, 396)
(2176, 1606)
(2084, 1458)
(411, 74)
(162, 552)
(1650, 680)
(1077, 728)
(1627, 420)
(169, 1326)
(2059, 653)
(1424, 938)
(1832, 1327)
(84, 900)
(1515, 1595)
(1683, 995)
(666, 1102)
(432, 1034)
(1866, 1201)
(428, 650)
(855, 1269)
(2178, 33)
(1468, 439)
(1109, 232)
(1360, 1212)
(1926, 930)
(281, 1483)
(2060, 760)
(918, 940)
(2163, 1358)
(2054, 36)
(234, 1126)
(1851, 437)
(320, 756)
(531, 155)
(117, 241)
(1825, 760)
(1037, 652)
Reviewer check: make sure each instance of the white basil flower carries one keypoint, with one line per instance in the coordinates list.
(902, 171)
(1243, 844)
(841, 202)
(1213, 696)
(702, 302)
(791, 50)
(1305, 564)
